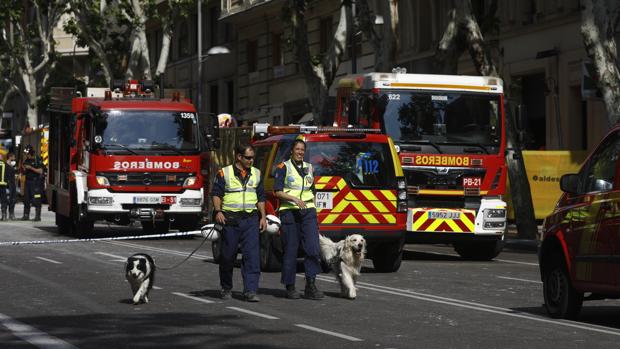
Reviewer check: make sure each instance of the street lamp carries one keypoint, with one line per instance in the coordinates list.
(215, 50)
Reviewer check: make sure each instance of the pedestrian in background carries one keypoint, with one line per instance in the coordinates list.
(4, 188)
(294, 184)
(238, 194)
(32, 168)
(11, 190)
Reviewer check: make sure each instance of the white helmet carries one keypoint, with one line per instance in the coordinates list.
(211, 231)
(273, 224)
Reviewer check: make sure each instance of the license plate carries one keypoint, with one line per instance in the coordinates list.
(472, 182)
(146, 200)
(324, 200)
(444, 215)
(168, 200)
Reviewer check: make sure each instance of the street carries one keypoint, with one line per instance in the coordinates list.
(75, 295)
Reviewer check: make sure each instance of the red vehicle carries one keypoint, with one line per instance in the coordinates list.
(359, 188)
(124, 156)
(450, 135)
(580, 250)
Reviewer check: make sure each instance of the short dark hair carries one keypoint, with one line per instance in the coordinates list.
(298, 141)
(241, 148)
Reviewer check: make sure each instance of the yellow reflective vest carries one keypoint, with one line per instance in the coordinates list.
(239, 197)
(298, 186)
(2, 173)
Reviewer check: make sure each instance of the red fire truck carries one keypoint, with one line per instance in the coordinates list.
(125, 156)
(450, 135)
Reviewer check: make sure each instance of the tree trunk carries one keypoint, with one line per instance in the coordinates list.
(598, 36)
(384, 42)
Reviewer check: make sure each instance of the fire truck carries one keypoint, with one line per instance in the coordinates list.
(449, 132)
(125, 155)
(358, 182)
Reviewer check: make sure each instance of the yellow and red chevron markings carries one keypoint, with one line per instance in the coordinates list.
(352, 206)
(421, 222)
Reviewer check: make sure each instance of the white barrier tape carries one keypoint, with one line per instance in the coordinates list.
(65, 241)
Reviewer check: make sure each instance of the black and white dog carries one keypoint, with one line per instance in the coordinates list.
(140, 272)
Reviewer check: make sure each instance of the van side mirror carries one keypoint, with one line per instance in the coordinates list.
(569, 183)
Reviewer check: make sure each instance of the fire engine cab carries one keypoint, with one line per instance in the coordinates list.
(450, 135)
(124, 156)
(358, 183)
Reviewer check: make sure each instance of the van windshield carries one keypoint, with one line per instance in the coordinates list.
(361, 164)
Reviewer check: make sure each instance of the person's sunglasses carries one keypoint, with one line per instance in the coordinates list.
(248, 157)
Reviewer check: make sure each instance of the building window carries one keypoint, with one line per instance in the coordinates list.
(230, 92)
(276, 49)
(252, 56)
(326, 34)
(213, 99)
(213, 26)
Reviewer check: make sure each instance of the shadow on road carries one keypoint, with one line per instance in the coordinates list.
(600, 315)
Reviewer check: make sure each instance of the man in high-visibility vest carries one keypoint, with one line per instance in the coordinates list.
(3, 187)
(238, 194)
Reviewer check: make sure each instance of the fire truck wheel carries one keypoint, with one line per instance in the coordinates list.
(270, 259)
(388, 257)
(155, 228)
(561, 298)
(479, 250)
(216, 250)
(64, 224)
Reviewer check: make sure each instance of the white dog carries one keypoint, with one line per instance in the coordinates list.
(345, 257)
(140, 272)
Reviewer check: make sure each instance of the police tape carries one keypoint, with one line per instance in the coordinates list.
(134, 237)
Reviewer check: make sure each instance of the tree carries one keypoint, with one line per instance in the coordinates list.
(463, 32)
(385, 42)
(28, 49)
(115, 31)
(598, 31)
(319, 72)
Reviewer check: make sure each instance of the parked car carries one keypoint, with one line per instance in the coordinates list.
(580, 250)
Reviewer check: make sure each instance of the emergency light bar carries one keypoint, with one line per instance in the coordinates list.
(264, 129)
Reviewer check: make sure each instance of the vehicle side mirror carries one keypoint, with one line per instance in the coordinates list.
(602, 185)
(211, 132)
(352, 111)
(569, 183)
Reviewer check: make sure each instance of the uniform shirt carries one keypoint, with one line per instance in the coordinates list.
(9, 175)
(220, 184)
(280, 176)
(31, 175)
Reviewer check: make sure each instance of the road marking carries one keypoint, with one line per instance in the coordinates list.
(157, 288)
(476, 306)
(32, 335)
(335, 334)
(116, 258)
(516, 262)
(156, 249)
(192, 297)
(48, 260)
(456, 255)
(265, 316)
(517, 279)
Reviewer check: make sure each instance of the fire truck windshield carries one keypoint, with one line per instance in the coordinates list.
(361, 164)
(153, 130)
(462, 122)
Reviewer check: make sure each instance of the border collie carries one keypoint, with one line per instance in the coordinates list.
(140, 272)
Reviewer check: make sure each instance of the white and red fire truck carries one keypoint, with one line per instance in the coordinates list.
(125, 156)
(450, 135)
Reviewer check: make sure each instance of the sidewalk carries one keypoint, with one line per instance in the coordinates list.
(513, 242)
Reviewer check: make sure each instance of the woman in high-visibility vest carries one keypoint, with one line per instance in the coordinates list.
(294, 187)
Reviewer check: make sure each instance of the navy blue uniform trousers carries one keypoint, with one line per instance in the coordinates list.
(245, 236)
(299, 226)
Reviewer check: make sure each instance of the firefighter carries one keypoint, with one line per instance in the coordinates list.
(238, 194)
(11, 186)
(294, 187)
(32, 168)
(4, 188)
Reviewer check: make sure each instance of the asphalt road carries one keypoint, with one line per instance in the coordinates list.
(75, 295)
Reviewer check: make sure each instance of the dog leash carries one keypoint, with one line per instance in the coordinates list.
(190, 255)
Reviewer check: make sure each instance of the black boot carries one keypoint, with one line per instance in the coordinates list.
(37, 214)
(26, 216)
(12, 213)
(291, 293)
(3, 215)
(311, 292)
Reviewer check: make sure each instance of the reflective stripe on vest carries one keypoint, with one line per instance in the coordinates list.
(237, 197)
(2, 179)
(298, 186)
